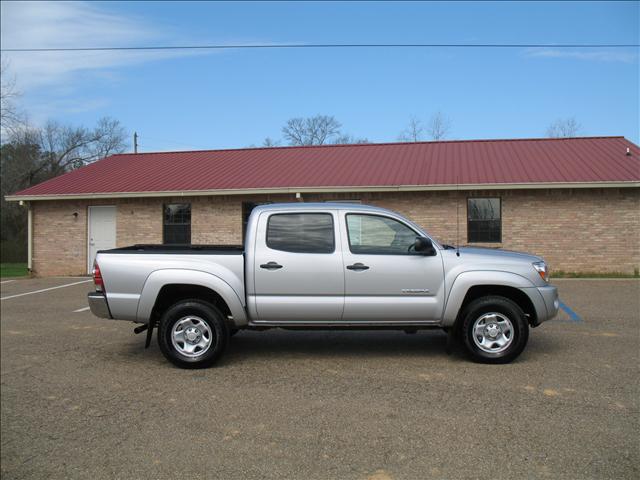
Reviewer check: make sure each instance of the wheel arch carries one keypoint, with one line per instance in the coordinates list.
(163, 288)
(473, 285)
(514, 294)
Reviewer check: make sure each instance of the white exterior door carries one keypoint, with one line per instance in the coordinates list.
(102, 231)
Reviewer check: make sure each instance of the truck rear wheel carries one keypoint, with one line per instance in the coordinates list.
(494, 330)
(192, 334)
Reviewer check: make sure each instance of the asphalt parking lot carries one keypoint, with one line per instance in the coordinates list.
(82, 398)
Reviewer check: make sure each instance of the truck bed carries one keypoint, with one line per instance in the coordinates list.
(129, 271)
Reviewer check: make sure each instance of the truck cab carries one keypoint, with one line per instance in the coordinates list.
(340, 264)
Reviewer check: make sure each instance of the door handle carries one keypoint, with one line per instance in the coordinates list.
(271, 266)
(357, 266)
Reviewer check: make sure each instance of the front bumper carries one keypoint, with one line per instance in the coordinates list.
(98, 305)
(549, 294)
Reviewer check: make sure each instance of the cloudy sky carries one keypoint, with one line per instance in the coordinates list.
(225, 99)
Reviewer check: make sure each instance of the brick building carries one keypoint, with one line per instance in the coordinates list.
(574, 201)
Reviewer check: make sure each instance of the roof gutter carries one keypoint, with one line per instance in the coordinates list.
(353, 189)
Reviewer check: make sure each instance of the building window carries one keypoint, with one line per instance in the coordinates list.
(301, 232)
(176, 227)
(377, 235)
(484, 220)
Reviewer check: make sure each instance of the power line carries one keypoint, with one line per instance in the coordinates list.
(330, 45)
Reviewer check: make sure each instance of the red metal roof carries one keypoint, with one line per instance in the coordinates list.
(471, 162)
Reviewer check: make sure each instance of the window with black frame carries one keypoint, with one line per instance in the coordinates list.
(176, 226)
(378, 235)
(301, 232)
(484, 220)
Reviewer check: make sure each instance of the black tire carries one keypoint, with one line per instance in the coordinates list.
(505, 307)
(212, 318)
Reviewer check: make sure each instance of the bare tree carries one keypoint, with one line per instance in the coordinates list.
(317, 130)
(42, 153)
(414, 131)
(9, 116)
(269, 142)
(564, 128)
(439, 126)
(109, 137)
(66, 148)
(346, 139)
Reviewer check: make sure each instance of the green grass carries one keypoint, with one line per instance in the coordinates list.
(13, 270)
(562, 274)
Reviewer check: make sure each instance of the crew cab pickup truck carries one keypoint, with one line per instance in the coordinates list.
(324, 266)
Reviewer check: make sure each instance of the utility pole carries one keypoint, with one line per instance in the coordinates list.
(135, 142)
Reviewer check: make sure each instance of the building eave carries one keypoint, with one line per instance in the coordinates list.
(351, 189)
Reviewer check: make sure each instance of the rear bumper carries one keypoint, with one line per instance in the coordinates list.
(98, 305)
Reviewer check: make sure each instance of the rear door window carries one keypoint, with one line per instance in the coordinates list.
(301, 232)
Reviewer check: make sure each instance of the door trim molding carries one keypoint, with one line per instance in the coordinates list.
(350, 323)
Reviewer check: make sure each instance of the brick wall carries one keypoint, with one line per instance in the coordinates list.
(216, 220)
(139, 220)
(59, 239)
(582, 230)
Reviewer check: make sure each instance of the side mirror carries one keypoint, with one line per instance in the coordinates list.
(424, 246)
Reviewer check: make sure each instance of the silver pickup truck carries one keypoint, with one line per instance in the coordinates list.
(324, 266)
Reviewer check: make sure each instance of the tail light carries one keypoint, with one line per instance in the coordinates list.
(97, 278)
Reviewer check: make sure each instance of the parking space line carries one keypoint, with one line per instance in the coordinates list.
(83, 309)
(45, 289)
(572, 315)
(6, 281)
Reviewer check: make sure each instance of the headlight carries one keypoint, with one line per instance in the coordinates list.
(542, 270)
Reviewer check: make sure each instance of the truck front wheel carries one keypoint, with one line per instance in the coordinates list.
(494, 330)
(192, 334)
